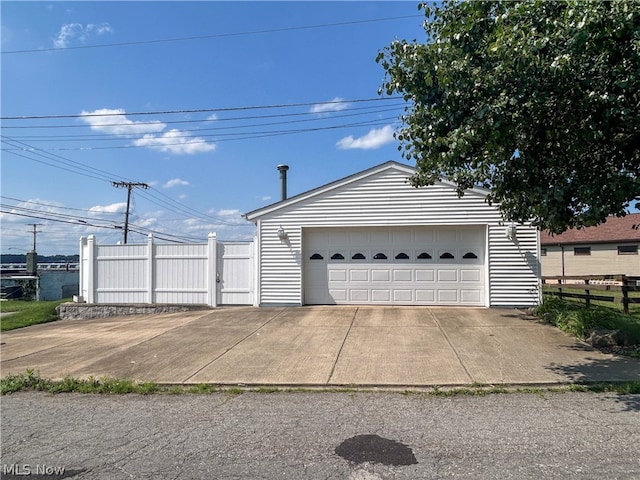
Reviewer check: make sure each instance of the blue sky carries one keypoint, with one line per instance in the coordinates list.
(250, 93)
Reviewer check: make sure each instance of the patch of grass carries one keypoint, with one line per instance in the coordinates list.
(268, 390)
(28, 312)
(579, 320)
(634, 308)
(202, 388)
(234, 391)
(31, 380)
(622, 388)
(25, 381)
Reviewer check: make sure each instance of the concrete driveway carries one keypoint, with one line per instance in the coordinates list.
(314, 346)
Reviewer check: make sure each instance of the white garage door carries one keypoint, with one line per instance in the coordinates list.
(395, 265)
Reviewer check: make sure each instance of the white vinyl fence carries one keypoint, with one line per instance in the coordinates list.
(212, 273)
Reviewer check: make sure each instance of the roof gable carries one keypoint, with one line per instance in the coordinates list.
(390, 166)
(615, 229)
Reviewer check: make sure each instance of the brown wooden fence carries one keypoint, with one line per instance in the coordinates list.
(601, 284)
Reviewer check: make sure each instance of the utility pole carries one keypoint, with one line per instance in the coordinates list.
(35, 232)
(129, 186)
(32, 256)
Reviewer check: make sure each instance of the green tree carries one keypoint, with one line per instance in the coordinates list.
(537, 101)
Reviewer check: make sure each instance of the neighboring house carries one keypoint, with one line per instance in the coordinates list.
(610, 248)
(372, 238)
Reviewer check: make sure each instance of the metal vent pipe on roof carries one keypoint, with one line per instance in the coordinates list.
(283, 180)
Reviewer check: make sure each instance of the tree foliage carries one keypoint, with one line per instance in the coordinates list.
(537, 101)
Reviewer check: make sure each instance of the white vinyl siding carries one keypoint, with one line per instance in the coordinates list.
(280, 265)
(383, 197)
(514, 267)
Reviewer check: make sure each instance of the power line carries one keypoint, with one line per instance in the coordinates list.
(74, 167)
(175, 206)
(202, 110)
(315, 118)
(53, 217)
(191, 140)
(53, 206)
(219, 35)
(60, 220)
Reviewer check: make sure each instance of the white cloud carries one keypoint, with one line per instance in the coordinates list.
(376, 138)
(113, 208)
(175, 182)
(100, 29)
(335, 105)
(265, 198)
(114, 122)
(67, 33)
(229, 212)
(212, 117)
(175, 141)
(76, 32)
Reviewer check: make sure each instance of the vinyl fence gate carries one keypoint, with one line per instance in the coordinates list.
(213, 273)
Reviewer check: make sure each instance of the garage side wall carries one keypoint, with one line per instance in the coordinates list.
(514, 267)
(386, 199)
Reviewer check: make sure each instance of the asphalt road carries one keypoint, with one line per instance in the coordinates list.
(356, 436)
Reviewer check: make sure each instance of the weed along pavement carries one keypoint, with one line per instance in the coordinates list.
(314, 346)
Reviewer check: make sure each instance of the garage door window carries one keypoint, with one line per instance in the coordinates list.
(316, 256)
(358, 256)
(380, 256)
(469, 256)
(447, 256)
(424, 256)
(402, 256)
(337, 256)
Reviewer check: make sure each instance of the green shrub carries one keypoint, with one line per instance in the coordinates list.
(579, 320)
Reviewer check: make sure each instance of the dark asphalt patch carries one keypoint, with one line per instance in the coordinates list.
(375, 449)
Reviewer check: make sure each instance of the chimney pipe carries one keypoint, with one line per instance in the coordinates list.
(283, 180)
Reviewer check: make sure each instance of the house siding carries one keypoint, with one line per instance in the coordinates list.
(384, 198)
(514, 269)
(604, 260)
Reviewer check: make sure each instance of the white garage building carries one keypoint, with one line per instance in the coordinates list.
(372, 238)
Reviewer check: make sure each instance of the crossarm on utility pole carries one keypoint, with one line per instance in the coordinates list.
(129, 186)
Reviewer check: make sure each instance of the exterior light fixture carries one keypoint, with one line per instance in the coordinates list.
(511, 231)
(282, 235)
